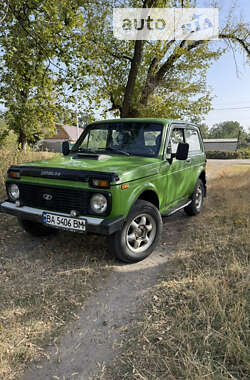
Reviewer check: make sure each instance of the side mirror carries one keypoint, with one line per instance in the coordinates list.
(65, 148)
(182, 151)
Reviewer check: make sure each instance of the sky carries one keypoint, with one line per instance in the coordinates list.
(230, 86)
(231, 90)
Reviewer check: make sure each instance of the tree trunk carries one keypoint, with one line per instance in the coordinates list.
(21, 140)
(135, 64)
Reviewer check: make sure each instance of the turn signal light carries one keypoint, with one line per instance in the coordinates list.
(125, 186)
(14, 174)
(100, 183)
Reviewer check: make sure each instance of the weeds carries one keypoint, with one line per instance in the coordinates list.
(12, 155)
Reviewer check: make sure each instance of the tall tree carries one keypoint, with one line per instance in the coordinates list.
(204, 130)
(154, 78)
(39, 42)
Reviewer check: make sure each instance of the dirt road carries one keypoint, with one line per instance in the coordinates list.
(94, 339)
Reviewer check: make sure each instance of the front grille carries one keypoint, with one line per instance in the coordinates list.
(61, 199)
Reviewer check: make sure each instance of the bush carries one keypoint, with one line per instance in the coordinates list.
(245, 153)
(227, 155)
(3, 131)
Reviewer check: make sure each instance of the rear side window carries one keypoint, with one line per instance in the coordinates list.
(192, 138)
(176, 137)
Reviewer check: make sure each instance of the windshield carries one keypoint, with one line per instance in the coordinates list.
(128, 138)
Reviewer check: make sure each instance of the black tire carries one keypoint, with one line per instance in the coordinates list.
(36, 229)
(124, 243)
(197, 198)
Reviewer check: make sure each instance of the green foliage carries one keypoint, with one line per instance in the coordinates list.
(204, 130)
(39, 46)
(226, 129)
(244, 152)
(3, 131)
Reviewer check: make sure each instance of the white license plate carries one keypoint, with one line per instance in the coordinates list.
(64, 222)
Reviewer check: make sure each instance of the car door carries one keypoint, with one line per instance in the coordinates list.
(196, 156)
(174, 173)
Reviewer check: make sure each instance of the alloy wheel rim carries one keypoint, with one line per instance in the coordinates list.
(141, 233)
(198, 197)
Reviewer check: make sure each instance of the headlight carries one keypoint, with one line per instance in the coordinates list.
(13, 191)
(98, 203)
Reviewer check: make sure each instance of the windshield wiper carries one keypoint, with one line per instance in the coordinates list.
(117, 150)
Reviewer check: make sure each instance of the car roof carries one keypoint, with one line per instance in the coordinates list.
(141, 119)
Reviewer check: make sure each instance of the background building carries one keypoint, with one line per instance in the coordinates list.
(221, 144)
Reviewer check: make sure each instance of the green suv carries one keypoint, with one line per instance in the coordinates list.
(117, 180)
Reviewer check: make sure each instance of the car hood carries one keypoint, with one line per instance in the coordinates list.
(127, 168)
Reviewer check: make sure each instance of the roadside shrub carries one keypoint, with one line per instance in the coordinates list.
(245, 153)
(224, 155)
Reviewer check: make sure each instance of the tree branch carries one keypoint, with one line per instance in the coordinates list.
(154, 80)
(121, 57)
(242, 42)
(114, 105)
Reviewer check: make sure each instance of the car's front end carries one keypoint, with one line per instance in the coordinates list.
(62, 198)
(88, 190)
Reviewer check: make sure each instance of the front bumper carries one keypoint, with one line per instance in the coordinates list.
(94, 225)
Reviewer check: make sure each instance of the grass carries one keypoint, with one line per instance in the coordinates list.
(236, 169)
(43, 282)
(11, 156)
(196, 323)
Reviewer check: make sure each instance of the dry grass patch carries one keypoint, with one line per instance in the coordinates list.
(235, 169)
(43, 282)
(11, 156)
(196, 324)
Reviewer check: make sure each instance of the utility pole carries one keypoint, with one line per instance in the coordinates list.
(238, 142)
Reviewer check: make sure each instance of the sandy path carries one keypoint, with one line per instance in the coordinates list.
(94, 339)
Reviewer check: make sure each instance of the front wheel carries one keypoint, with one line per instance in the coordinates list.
(197, 199)
(36, 229)
(139, 235)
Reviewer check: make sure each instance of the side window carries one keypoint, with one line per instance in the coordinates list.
(192, 138)
(176, 137)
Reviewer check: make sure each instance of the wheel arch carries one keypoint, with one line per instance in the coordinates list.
(148, 194)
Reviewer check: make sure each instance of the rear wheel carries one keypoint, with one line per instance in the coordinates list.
(197, 198)
(36, 229)
(139, 235)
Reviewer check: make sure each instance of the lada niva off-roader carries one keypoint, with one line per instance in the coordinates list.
(117, 180)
